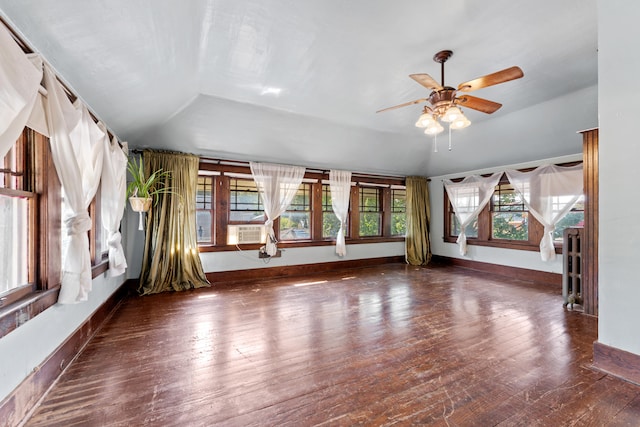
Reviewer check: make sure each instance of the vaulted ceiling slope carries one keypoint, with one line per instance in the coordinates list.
(299, 81)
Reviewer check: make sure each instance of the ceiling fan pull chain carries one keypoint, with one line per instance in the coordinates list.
(449, 136)
(435, 143)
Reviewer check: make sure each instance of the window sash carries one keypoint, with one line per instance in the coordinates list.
(245, 204)
(295, 222)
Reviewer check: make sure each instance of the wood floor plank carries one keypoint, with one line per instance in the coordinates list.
(386, 345)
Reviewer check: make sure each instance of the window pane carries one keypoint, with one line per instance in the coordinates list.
(330, 225)
(398, 212)
(509, 217)
(326, 198)
(506, 199)
(510, 225)
(369, 199)
(244, 202)
(398, 224)
(14, 255)
(203, 225)
(470, 231)
(370, 214)
(246, 216)
(575, 218)
(370, 224)
(295, 225)
(204, 192)
(572, 219)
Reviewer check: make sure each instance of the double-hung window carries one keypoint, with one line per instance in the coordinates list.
(245, 205)
(204, 209)
(330, 222)
(398, 211)
(370, 211)
(509, 215)
(18, 201)
(295, 222)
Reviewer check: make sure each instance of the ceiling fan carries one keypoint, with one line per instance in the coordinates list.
(445, 100)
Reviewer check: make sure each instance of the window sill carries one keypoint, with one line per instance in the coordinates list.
(298, 244)
(521, 246)
(14, 315)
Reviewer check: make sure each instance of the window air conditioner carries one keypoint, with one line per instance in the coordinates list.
(251, 233)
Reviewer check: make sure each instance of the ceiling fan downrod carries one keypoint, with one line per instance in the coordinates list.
(442, 57)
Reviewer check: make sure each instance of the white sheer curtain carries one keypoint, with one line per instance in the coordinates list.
(113, 200)
(468, 197)
(549, 192)
(77, 151)
(19, 84)
(340, 185)
(277, 185)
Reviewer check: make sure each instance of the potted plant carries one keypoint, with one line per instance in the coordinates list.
(142, 190)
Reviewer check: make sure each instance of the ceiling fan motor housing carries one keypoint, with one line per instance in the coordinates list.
(442, 99)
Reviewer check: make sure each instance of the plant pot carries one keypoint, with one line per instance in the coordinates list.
(140, 204)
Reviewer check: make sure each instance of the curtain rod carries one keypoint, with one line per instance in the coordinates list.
(226, 162)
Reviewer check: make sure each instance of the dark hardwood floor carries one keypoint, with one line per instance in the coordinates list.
(389, 345)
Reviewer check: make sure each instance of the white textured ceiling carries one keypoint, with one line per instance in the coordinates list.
(299, 81)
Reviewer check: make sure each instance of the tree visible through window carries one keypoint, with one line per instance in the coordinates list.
(295, 222)
(398, 211)
(509, 215)
(370, 212)
(575, 218)
(330, 222)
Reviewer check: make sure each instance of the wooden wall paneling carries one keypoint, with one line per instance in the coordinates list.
(18, 404)
(221, 184)
(590, 242)
(616, 362)
(535, 276)
(316, 211)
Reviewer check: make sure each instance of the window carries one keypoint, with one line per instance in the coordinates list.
(330, 222)
(398, 211)
(509, 215)
(98, 244)
(370, 212)
(505, 222)
(18, 201)
(228, 202)
(454, 225)
(295, 222)
(30, 247)
(245, 205)
(204, 209)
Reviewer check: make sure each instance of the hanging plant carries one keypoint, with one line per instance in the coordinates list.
(142, 191)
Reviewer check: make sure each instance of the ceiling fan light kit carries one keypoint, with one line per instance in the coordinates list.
(445, 102)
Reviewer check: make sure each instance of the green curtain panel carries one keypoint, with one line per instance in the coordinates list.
(171, 261)
(418, 248)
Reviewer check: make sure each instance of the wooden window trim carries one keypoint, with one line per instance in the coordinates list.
(221, 212)
(27, 301)
(536, 230)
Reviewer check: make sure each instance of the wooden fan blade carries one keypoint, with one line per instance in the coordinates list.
(491, 79)
(417, 101)
(479, 104)
(426, 80)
